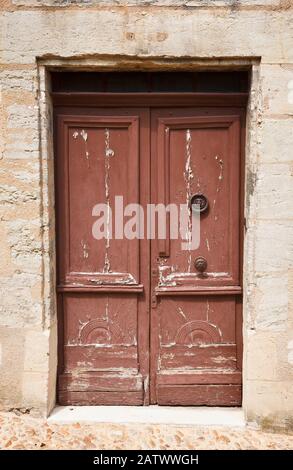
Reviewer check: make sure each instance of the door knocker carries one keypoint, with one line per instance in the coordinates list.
(198, 203)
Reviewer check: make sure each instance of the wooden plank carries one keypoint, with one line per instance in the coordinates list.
(95, 381)
(100, 398)
(149, 99)
(203, 290)
(99, 289)
(218, 356)
(199, 395)
(203, 376)
(101, 358)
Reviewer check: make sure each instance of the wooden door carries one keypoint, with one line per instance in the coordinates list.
(138, 322)
(196, 313)
(102, 288)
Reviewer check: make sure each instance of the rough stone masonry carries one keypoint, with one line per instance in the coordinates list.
(36, 35)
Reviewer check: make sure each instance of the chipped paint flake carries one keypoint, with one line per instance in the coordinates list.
(85, 249)
(110, 153)
(220, 162)
(182, 313)
(84, 135)
(106, 263)
(207, 244)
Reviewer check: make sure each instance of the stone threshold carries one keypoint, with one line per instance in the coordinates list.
(175, 415)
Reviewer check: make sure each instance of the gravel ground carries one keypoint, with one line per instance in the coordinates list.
(25, 432)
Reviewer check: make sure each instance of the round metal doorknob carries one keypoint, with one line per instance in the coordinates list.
(200, 264)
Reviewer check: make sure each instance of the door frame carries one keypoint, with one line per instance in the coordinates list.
(152, 100)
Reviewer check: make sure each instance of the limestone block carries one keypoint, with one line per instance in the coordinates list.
(290, 295)
(274, 191)
(19, 80)
(17, 306)
(261, 355)
(273, 246)
(269, 299)
(36, 353)
(276, 141)
(35, 390)
(277, 89)
(270, 404)
(12, 342)
(158, 32)
(22, 116)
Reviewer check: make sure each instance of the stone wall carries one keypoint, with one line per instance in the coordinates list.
(36, 35)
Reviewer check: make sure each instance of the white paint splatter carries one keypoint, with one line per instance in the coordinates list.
(75, 135)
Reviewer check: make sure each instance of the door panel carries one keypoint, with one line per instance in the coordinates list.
(103, 295)
(194, 322)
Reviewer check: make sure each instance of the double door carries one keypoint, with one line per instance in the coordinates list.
(144, 317)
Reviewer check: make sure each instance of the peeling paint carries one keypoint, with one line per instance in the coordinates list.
(188, 176)
(220, 178)
(207, 244)
(182, 313)
(84, 135)
(223, 359)
(208, 310)
(108, 153)
(174, 278)
(221, 164)
(110, 278)
(85, 249)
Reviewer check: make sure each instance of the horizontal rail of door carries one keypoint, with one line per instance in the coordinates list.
(103, 288)
(220, 290)
(149, 99)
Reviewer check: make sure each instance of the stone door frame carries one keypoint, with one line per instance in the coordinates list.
(46, 145)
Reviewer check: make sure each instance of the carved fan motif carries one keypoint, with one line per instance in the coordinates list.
(100, 332)
(198, 332)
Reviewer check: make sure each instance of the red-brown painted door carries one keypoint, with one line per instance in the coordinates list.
(138, 322)
(196, 313)
(102, 283)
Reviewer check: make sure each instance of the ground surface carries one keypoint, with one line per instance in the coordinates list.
(25, 432)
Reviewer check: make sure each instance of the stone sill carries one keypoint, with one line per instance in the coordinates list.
(182, 416)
